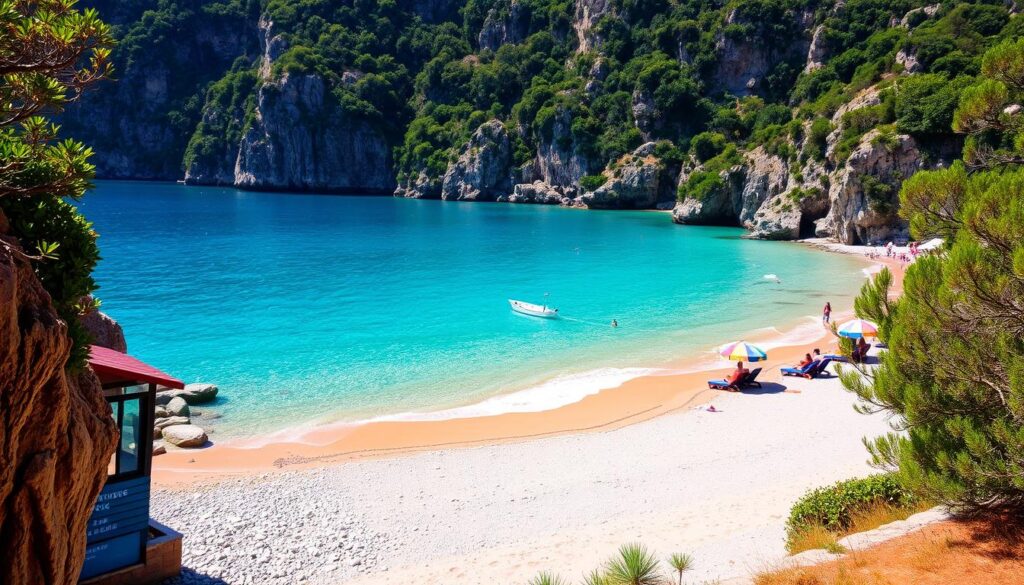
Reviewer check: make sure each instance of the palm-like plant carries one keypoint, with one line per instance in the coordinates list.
(595, 577)
(680, 563)
(633, 566)
(546, 578)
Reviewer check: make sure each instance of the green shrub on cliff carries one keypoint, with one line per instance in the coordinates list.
(49, 54)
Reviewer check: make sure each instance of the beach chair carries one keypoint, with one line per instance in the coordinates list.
(819, 369)
(747, 381)
(836, 357)
(751, 379)
(804, 371)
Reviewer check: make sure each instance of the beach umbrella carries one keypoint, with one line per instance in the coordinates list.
(858, 328)
(742, 351)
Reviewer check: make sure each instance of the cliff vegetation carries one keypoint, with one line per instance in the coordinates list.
(789, 117)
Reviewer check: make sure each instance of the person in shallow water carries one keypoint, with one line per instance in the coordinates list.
(826, 313)
(615, 323)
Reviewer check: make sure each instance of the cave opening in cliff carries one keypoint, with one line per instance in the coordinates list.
(807, 222)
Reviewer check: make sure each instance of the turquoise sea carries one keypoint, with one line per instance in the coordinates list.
(313, 308)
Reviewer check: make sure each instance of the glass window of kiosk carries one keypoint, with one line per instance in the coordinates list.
(129, 407)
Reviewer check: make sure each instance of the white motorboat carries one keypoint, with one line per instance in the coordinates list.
(533, 310)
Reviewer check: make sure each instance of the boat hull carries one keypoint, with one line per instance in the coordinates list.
(533, 310)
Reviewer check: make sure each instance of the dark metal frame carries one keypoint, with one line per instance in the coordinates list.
(145, 442)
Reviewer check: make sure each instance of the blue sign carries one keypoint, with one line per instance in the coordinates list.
(116, 533)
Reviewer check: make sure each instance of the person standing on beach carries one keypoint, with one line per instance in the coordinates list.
(826, 313)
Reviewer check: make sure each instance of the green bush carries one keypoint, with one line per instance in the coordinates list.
(832, 507)
(592, 182)
(707, 145)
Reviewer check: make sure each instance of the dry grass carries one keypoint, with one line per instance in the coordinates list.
(989, 552)
(867, 518)
(816, 536)
(881, 513)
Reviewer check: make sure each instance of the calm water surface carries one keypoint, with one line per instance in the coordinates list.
(310, 308)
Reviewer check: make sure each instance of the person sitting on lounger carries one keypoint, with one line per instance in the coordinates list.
(860, 352)
(738, 374)
(808, 360)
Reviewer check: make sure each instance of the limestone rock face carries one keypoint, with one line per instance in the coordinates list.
(105, 331)
(559, 161)
(720, 207)
(864, 193)
(422, 187)
(744, 61)
(185, 436)
(56, 434)
(499, 30)
(301, 140)
(482, 171)
(817, 52)
(908, 59)
(126, 122)
(588, 12)
(639, 183)
(536, 192)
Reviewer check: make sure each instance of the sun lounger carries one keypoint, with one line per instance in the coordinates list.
(804, 371)
(811, 370)
(749, 380)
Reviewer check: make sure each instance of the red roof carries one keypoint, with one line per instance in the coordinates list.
(114, 366)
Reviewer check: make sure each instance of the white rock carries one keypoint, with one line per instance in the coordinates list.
(185, 435)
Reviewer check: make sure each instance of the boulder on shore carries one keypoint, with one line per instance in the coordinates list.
(165, 423)
(185, 436)
(198, 393)
(177, 407)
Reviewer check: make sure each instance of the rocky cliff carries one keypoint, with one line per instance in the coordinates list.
(50, 473)
(301, 140)
(408, 97)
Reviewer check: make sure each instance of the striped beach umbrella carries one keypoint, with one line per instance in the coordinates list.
(858, 328)
(742, 351)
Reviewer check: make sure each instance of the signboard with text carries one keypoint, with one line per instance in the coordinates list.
(116, 533)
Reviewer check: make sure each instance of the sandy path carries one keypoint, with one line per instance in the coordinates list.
(717, 485)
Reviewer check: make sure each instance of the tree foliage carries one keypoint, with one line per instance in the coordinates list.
(954, 373)
(49, 54)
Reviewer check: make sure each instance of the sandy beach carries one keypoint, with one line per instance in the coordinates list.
(715, 484)
(499, 498)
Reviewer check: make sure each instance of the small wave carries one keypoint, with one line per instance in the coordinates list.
(549, 395)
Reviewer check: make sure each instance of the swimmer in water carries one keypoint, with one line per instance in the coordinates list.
(615, 323)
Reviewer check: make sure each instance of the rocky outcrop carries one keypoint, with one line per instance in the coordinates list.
(763, 195)
(743, 60)
(502, 28)
(422, 187)
(864, 194)
(817, 51)
(907, 57)
(537, 192)
(720, 207)
(482, 171)
(300, 139)
(639, 181)
(587, 14)
(56, 433)
(105, 331)
(128, 123)
(560, 162)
